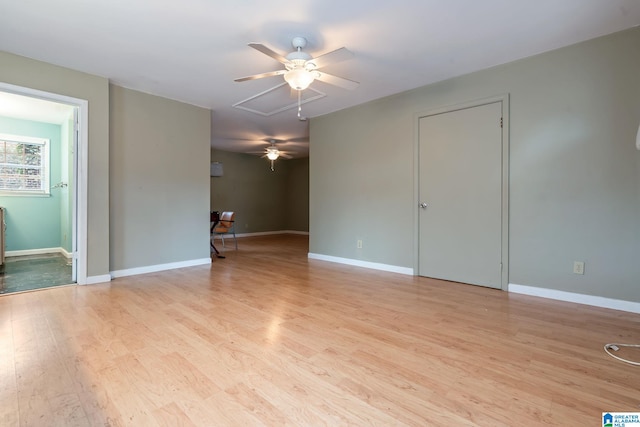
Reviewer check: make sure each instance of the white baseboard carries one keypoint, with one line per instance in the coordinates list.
(66, 253)
(630, 306)
(365, 264)
(302, 233)
(94, 280)
(159, 267)
(265, 233)
(41, 251)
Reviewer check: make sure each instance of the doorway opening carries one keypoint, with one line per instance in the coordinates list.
(44, 232)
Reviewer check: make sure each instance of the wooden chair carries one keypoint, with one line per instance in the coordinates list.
(225, 226)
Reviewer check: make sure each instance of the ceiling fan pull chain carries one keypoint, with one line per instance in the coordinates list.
(300, 107)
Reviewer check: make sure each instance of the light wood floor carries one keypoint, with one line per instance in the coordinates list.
(268, 337)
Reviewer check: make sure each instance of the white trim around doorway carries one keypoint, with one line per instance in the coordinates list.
(81, 159)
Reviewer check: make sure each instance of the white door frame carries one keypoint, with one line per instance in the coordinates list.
(504, 99)
(80, 165)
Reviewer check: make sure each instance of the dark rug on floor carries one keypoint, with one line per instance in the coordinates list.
(26, 273)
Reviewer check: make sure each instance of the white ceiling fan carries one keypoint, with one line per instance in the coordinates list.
(272, 152)
(301, 69)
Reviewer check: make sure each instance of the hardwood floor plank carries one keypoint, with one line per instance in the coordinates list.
(124, 393)
(190, 376)
(268, 337)
(172, 415)
(9, 407)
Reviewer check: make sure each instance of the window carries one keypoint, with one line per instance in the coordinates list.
(24, 165)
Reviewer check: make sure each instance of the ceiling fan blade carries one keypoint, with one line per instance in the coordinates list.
(332, 57)
(261, 76)
(296, 144)
(298, 140)
(275, 55)
(337, 81)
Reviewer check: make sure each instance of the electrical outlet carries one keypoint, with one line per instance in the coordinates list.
(359, 244)
(578, 267)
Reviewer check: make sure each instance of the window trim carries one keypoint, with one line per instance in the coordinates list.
(45, 190)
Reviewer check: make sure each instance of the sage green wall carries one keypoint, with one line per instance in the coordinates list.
(574, 169)
(25, 72)
(35, 222)
(263, 200)
(159, 180)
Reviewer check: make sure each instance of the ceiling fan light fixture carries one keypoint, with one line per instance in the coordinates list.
(299, 78)
(272, 153)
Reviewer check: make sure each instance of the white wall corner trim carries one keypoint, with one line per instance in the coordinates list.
(94, 280)
(159, 267)
(630, 306)
(366, 264)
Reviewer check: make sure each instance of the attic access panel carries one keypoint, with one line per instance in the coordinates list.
(277, 99)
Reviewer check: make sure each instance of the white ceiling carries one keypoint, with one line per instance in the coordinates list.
(191, 50)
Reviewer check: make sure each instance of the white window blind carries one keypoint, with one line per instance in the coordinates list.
(24, 164)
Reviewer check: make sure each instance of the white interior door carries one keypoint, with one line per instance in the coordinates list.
(460, 191)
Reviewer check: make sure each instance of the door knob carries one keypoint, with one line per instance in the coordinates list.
(423, 205)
